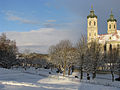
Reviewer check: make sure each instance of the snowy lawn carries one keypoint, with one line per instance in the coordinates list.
(21, 80)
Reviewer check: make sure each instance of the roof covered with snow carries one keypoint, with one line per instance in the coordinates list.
(109, 37)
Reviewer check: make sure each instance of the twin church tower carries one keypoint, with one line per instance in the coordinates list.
(110, 40)
(92, 26)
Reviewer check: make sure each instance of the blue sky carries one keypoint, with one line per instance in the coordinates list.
(24, 15)
(41, 21)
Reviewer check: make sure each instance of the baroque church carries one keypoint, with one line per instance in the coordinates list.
(111, 39)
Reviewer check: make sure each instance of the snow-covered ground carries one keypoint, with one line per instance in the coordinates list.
(41, 80)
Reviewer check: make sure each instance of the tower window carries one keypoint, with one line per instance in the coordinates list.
(94, 23)
(110, 38)
(114, 26)
(95, 34)
(109, 26)
(104, 47)
(110, 47)
(90, 23)
(118, 46)
(89, 34)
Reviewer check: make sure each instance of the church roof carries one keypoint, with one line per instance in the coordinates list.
(103, 38)
(111, 18)
(92, 14)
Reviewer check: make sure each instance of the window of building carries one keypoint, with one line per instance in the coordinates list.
(110, 47)
(114, 26)
(110, 38)
(94, 23)
(118, 46)
(104, 47)
(109, 26)
(95, 34)
(89, 34)
(90, 23)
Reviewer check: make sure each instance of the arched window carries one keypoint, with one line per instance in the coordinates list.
(110, 38)
(109, 26)
(105, 47)
(89, 34)
(90, 23)
(114, 26)
(118, 46)
(95, 34)
(94, 23)
(110, 47)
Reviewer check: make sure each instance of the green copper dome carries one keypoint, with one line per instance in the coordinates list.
(111, 18)
(91, 15)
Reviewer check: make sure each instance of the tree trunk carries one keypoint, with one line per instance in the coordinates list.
(72, 68)
(94, 75)
(51, 68)
(112, 76)
(69, 70)
(119, 73)
(119, 69)
(81, 72)
(88, 77)
(81, 68)
(64, 72)
(94, 70)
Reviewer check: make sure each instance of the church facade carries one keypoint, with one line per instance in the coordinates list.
(108, 41)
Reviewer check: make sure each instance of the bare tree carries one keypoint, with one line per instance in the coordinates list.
(112, 57)
(94, 57)
(118, 66)
(88, 63)
(71, 59)
(59, 54)
(8, 51)
(81, 51)
(55, 57)
(118, 60)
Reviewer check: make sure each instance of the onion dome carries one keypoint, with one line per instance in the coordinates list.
(111, 17)
(91, 15)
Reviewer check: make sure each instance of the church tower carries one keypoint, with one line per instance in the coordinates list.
(112, 24)
(92, 27)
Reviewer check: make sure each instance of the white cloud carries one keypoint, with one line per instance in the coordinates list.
(40, 40)
(51, 20)
(11, 16)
